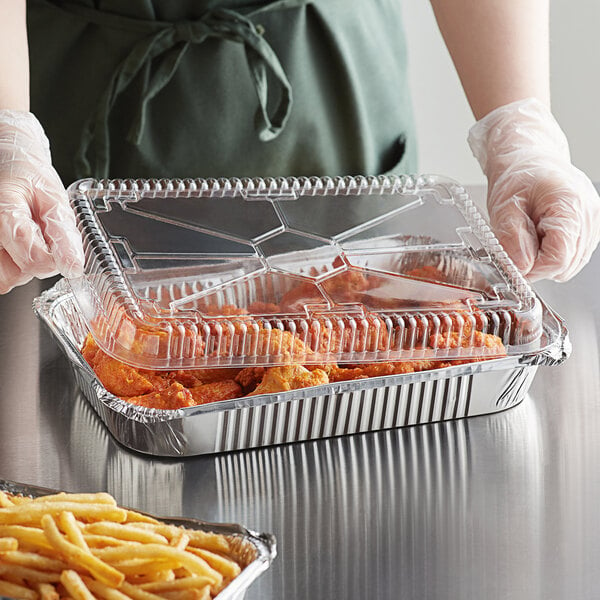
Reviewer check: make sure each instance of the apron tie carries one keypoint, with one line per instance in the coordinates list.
(156, 58)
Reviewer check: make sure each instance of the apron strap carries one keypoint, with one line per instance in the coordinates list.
(157, 56)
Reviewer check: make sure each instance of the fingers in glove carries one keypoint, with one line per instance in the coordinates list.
(37, 226)
(524, 153)
(11, 275)
(60, 231)
(22, 239)
(566, 212)
(516, 233)
(563, 253)
(555, 259)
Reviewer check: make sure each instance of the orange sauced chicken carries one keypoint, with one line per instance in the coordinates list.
(180, 389)
(366, 333)
(216, 390)
(289, 377)
(171, 397)
(250, 377)
(160, 389)
(348, 334)
(351, 372)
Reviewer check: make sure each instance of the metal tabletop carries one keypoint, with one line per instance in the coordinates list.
(501, 506)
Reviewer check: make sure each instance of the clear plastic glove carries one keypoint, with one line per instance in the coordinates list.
(38, 235)
(543, 210)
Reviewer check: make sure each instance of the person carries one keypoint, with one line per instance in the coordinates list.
(207, 88)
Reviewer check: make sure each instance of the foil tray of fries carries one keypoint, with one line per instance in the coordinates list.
(317, 412)
(67, 545)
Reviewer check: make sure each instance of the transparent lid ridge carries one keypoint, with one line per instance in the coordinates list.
(266, 271)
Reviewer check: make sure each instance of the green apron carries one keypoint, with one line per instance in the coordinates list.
(221, 88)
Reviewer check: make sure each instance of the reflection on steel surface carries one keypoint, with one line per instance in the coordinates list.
(369, 516)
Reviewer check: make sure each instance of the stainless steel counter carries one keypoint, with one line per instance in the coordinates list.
(493, 507)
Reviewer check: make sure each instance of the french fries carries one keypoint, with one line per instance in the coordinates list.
(83, 546)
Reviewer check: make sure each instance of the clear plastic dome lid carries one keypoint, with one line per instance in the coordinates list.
(239, 272)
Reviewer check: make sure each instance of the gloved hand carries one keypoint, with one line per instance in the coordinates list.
(543, 210)
(38, 235)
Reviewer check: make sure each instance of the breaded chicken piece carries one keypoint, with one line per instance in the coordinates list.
(346, 286)
(345, 374)
(120, 379)
(223, 311)
(185, 378)
(149, 341)
(142, 339)
(379, 369)
(368, 334)
(89, 349)
(417, 332)
(473, 339)
(195, 377)
(250, 377)
(263, 308)
(215, 391)
(283, 344)
(294, 300)
(289, 377)
(428, 272)
(464, 322)
(229, 330)
(343, 287)
(171, 398)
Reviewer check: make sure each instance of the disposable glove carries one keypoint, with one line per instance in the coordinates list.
(543, 210)
(38, 235)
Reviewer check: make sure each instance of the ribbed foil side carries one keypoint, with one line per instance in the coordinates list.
(516, 388)
(358, 412)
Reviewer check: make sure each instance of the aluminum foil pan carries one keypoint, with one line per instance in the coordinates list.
(253, 551)
(305, 414)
